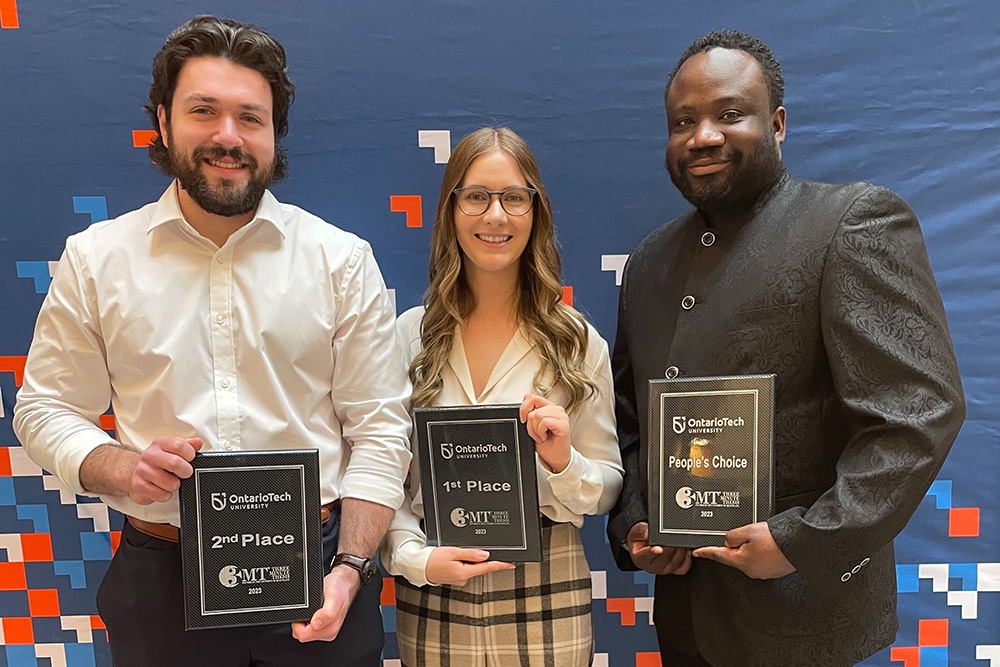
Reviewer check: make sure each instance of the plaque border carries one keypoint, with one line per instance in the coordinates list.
(313, 559)
(531, 517)
(520, 482)
(201, 542)
(756, 454)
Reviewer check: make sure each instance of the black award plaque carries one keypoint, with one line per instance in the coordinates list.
(478, 480)
(251, 543)
(710, 457)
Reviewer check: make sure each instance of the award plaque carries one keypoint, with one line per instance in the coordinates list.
(251, 543)
(710, 457)
(478, 483)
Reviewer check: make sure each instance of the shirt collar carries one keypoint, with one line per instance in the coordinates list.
(168, 209)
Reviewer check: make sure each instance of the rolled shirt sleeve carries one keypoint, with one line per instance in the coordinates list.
(66, 386)
(370, 386)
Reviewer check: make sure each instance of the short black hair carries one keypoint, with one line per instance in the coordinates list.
(738, 41)
(239, 43)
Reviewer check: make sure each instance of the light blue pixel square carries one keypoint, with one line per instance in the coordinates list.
(933, 656)
(908, 578)
(967, 572)
(80, 655)
(7, 491)
(95, 546)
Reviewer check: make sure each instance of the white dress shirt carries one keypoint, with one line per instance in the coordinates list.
(590, 483)
(283, 338)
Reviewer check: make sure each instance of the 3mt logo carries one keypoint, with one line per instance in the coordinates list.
(229, 576)
(459, 518)
(683, 495)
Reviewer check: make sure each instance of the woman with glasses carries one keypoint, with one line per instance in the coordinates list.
(492, 330)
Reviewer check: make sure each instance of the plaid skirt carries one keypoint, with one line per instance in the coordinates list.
(536, 615)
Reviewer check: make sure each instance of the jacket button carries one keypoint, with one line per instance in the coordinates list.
(707, 239)
(865, 562)
(847, 575)
(671, 372)
(687, 303)
(856, 569)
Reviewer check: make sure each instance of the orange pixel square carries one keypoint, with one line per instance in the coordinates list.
(5, 469)
(933, 632)
(908, 655)
(647, 659)
(388, 597)
(12, 577)
(625, 606)
(8, 14)
(142, 138)
(18, 631)
(963, 522)
(43, 602)
(36, 547)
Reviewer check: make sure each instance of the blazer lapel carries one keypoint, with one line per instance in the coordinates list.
(518, 346)
(460, 366)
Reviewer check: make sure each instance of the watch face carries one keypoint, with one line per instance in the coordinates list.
(368, 571)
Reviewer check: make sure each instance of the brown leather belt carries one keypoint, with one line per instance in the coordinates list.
(165, 531)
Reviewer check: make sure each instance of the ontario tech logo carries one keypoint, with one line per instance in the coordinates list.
(447, 450)
(680, 425)
(219, 501)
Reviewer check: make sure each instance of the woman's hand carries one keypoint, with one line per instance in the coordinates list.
(548, 426)
(454, 566)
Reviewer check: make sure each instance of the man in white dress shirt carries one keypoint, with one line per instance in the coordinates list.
(218, 318)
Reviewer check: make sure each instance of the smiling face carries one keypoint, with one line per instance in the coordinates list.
(220, 135)
(492, 243)
(724, 147)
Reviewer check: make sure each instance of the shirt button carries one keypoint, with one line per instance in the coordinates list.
(707, 239)
(225, 383)
(671, 372)
(687, 303)
(221, 259)
(847, 575)
(228, 446)
(221, 319)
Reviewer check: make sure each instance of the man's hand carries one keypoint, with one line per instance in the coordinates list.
(455, 566)
(656, 559)
(159, 469)
(339, 589)
(752, 550)
(548, 426)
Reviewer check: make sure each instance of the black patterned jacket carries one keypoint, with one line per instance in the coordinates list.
(828, 287)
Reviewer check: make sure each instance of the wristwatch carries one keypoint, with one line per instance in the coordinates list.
(366, 567)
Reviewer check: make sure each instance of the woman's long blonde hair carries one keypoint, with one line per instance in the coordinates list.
(558, 330)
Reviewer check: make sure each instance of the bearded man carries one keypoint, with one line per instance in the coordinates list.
(829, 288)
(218, 318)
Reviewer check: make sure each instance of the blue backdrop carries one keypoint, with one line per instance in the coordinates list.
(902, 93)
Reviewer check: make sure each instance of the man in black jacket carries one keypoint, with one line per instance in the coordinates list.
(829, 288)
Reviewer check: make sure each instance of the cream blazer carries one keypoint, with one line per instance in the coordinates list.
(590, 483)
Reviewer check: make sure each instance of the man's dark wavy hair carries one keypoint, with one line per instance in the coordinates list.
(738, 41)
(239, 43)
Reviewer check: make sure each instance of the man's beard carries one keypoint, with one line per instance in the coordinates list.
(751, 175)
(225, 198)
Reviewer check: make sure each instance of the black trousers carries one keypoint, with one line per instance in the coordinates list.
(141, 602)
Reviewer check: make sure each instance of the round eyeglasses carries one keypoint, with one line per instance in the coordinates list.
(475, 200)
